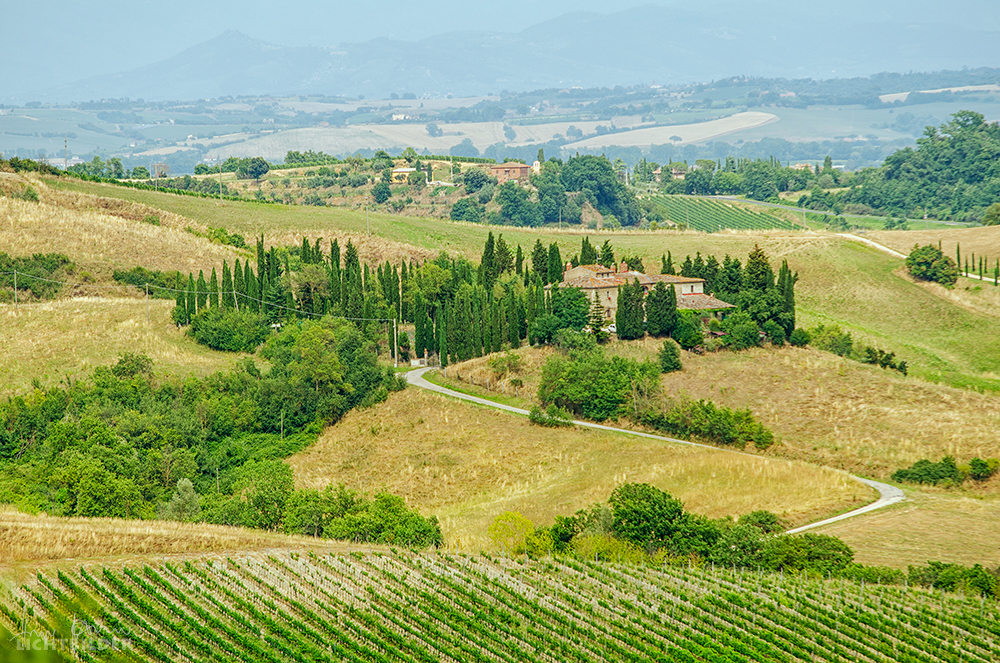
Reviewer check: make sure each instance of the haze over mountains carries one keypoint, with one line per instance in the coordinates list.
(664, 44)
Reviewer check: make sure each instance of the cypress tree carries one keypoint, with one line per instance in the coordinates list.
(607, 254)
(503, 259)
(711, 273)
(192, 306)
(179, 315)
(420, 324)
(488, 261)
(687, 267)
(661, 310)
(588, 254)
(519, 261)
(227, 287)
(556, 265)
(213, 290)
(404, 278)
(250, 287)
(305, 253)
(352, 286)
(630, 315)
(202, 298)
(667, 264)
(444, 330)
(514, 324)
(786, 318)
(261, 267)
(757, 274)
(540, 262)
(238, 292)
(497, 326)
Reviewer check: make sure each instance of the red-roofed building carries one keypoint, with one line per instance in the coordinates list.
(519, 172)
(601, 282)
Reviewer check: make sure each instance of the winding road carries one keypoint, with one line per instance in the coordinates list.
(887, 494)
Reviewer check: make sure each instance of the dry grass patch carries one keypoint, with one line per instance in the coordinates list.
(822, 408)
(99, 243)
(841, 413)
(52, 341)
(466, 464)
(27, 540)
(929, 526)
(983, 241)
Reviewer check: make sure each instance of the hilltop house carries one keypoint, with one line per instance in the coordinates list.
(519, 172)
(603, 282)
(400, 175)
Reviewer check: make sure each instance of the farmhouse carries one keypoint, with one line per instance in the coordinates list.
(601, 282)
(399, 175)
(504, 172)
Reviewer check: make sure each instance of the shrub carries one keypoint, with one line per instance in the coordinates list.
(670, 357)
(799, 338)
(590, 385)
(706, 420)
(551, 417)
(775, 334)
(981, 470)
(765, 521)
(231, 330)
(741, 331)
(928, 263)
(687, 331)
(831, 339)
(926, 472)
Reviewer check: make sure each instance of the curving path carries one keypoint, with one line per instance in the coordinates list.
(887, 494)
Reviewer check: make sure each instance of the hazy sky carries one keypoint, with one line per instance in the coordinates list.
(58, 41)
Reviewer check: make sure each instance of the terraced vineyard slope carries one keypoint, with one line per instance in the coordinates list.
(713, 215)
(435, 607)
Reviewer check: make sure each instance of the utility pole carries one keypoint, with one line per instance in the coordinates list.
(16, 308)
(395, 343)
(147, 303)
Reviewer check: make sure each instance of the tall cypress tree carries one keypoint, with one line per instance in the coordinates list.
(496, 323)
(786, 318)
(667, 264)
(202, 298)
(250, 287)
(213, 290)
(630, 315)
(238, 292)
(556, 265)
(420, 324)
(588, 254)
(488, 261)
(261, 267)
(607, 257)
(661, 310)
(514, 325)
(227, 287)
(192, 293)
(540, 262)
(352, 286)
(519, 261)
(445, 329)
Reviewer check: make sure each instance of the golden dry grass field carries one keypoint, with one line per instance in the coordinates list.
(99, 242)
(467, 464)
(983, 241)
(28, 541)
(822, 408)
(67, 338)
(929, 525)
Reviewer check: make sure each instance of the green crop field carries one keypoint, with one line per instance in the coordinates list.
(435, 607)
(714, 215)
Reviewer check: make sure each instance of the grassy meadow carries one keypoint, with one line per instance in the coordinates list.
(467, 464)
(65, 339)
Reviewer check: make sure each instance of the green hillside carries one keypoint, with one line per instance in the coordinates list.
(412, 607)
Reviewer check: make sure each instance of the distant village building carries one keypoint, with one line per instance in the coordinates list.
(677, 173)
(602, 283)
(400, 175)
(504, 172)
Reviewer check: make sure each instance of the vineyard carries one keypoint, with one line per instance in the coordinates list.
(404, 606)
(713, 215)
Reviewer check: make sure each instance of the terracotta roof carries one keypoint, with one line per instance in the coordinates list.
(700, 302)
(510, 164)
(673, 278)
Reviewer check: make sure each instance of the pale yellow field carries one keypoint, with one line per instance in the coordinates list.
(822, 408)
(466, 464)
(689, 133)
(983, 241)
(66, 339)
(98, 242)
(27, 541)
(930, 525)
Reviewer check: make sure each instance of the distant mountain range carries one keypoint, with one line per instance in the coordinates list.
(647, 44)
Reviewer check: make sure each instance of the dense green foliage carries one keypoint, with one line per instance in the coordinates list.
(37, 277)
(833, 339)
(162, 285)
(928, 263)
(117, 444)
(710, 422)
(589, 384)
(946, 472)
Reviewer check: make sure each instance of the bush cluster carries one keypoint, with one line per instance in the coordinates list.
(705, 420)
(946, 471)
